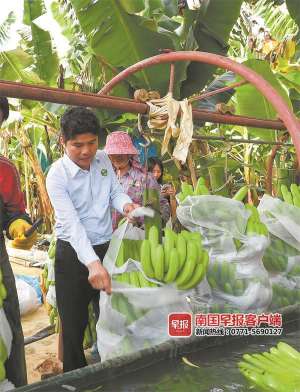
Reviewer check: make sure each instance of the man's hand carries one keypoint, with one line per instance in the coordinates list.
(99, 278)
(17, 230)
(127, 210)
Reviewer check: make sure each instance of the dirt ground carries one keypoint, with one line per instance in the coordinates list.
(41, 356)
(37, 352)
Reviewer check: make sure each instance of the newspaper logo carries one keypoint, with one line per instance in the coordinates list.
(180, 325)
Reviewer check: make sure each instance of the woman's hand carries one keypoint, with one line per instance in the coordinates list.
(168, 191)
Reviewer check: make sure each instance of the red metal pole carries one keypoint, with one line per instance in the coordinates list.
(56, 95)
(218, 91)
(248, 74)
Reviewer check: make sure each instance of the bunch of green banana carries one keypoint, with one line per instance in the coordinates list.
(283, 296)
(3, 292)
(291, 197)
(180, 259)
(201, 189)
(3, 358)
(276, 255)
(53, 317)
(254, 224)
(295, 271)
(134, 278)
(45, 282)
(188, 190)
(222, 277)
(129, 249)
(121, 304)
(277, 370)
(52, 248)
(90, 334)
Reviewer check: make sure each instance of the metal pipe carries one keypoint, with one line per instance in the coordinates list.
(245, 141)
(218, 91)
(230, 140)
(289, 119)
(56, 95)
(215, 117)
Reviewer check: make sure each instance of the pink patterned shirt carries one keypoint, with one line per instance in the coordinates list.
(133, 183)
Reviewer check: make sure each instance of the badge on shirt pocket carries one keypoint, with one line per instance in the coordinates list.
(104, 172)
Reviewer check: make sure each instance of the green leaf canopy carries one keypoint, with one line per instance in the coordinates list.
(250, 102)
(123, 39)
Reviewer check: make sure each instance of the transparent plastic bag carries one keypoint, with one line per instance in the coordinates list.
(213, 212)
(5, 331)
(51, 296)
(285, 292)
(293, 270)
(51, 271)
(283, 222)
(132, 318)
(28, 299)
(240, 280)
(217, 218)
(6, 386)
(281, 219)
(236, 274)
(280, 257)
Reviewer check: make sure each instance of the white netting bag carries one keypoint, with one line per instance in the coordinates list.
(283, 222)
(132, 318)
(236, 274)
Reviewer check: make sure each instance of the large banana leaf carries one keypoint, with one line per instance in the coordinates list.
(293, 7)
(252, 103)
(212, 29)
(5, 27)
(46, 61)
(122, 39)
(15, 65)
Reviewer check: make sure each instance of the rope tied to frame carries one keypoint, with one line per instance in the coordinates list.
(163, 114)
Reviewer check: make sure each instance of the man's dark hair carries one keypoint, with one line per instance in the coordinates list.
(153, 162)
(77, 121)
(4, 108)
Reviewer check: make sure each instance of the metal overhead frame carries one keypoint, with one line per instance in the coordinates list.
(102, 100)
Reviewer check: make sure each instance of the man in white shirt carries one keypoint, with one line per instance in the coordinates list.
(82, 187)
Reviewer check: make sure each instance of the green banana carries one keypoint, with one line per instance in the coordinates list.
(159, 262)
(198, 275)
(134, 279)
(121, 256)
(173, 267)
(241, 194)
(146, 258)
(181, 249)
(154, 236)
(189, 266)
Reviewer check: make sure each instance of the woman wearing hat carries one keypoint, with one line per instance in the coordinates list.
(131, 175)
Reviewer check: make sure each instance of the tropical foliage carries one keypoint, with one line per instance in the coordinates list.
(106, 36)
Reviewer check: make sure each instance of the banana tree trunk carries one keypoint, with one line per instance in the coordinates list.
(46, 208)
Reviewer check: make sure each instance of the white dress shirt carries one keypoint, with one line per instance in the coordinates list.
(82, 201)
